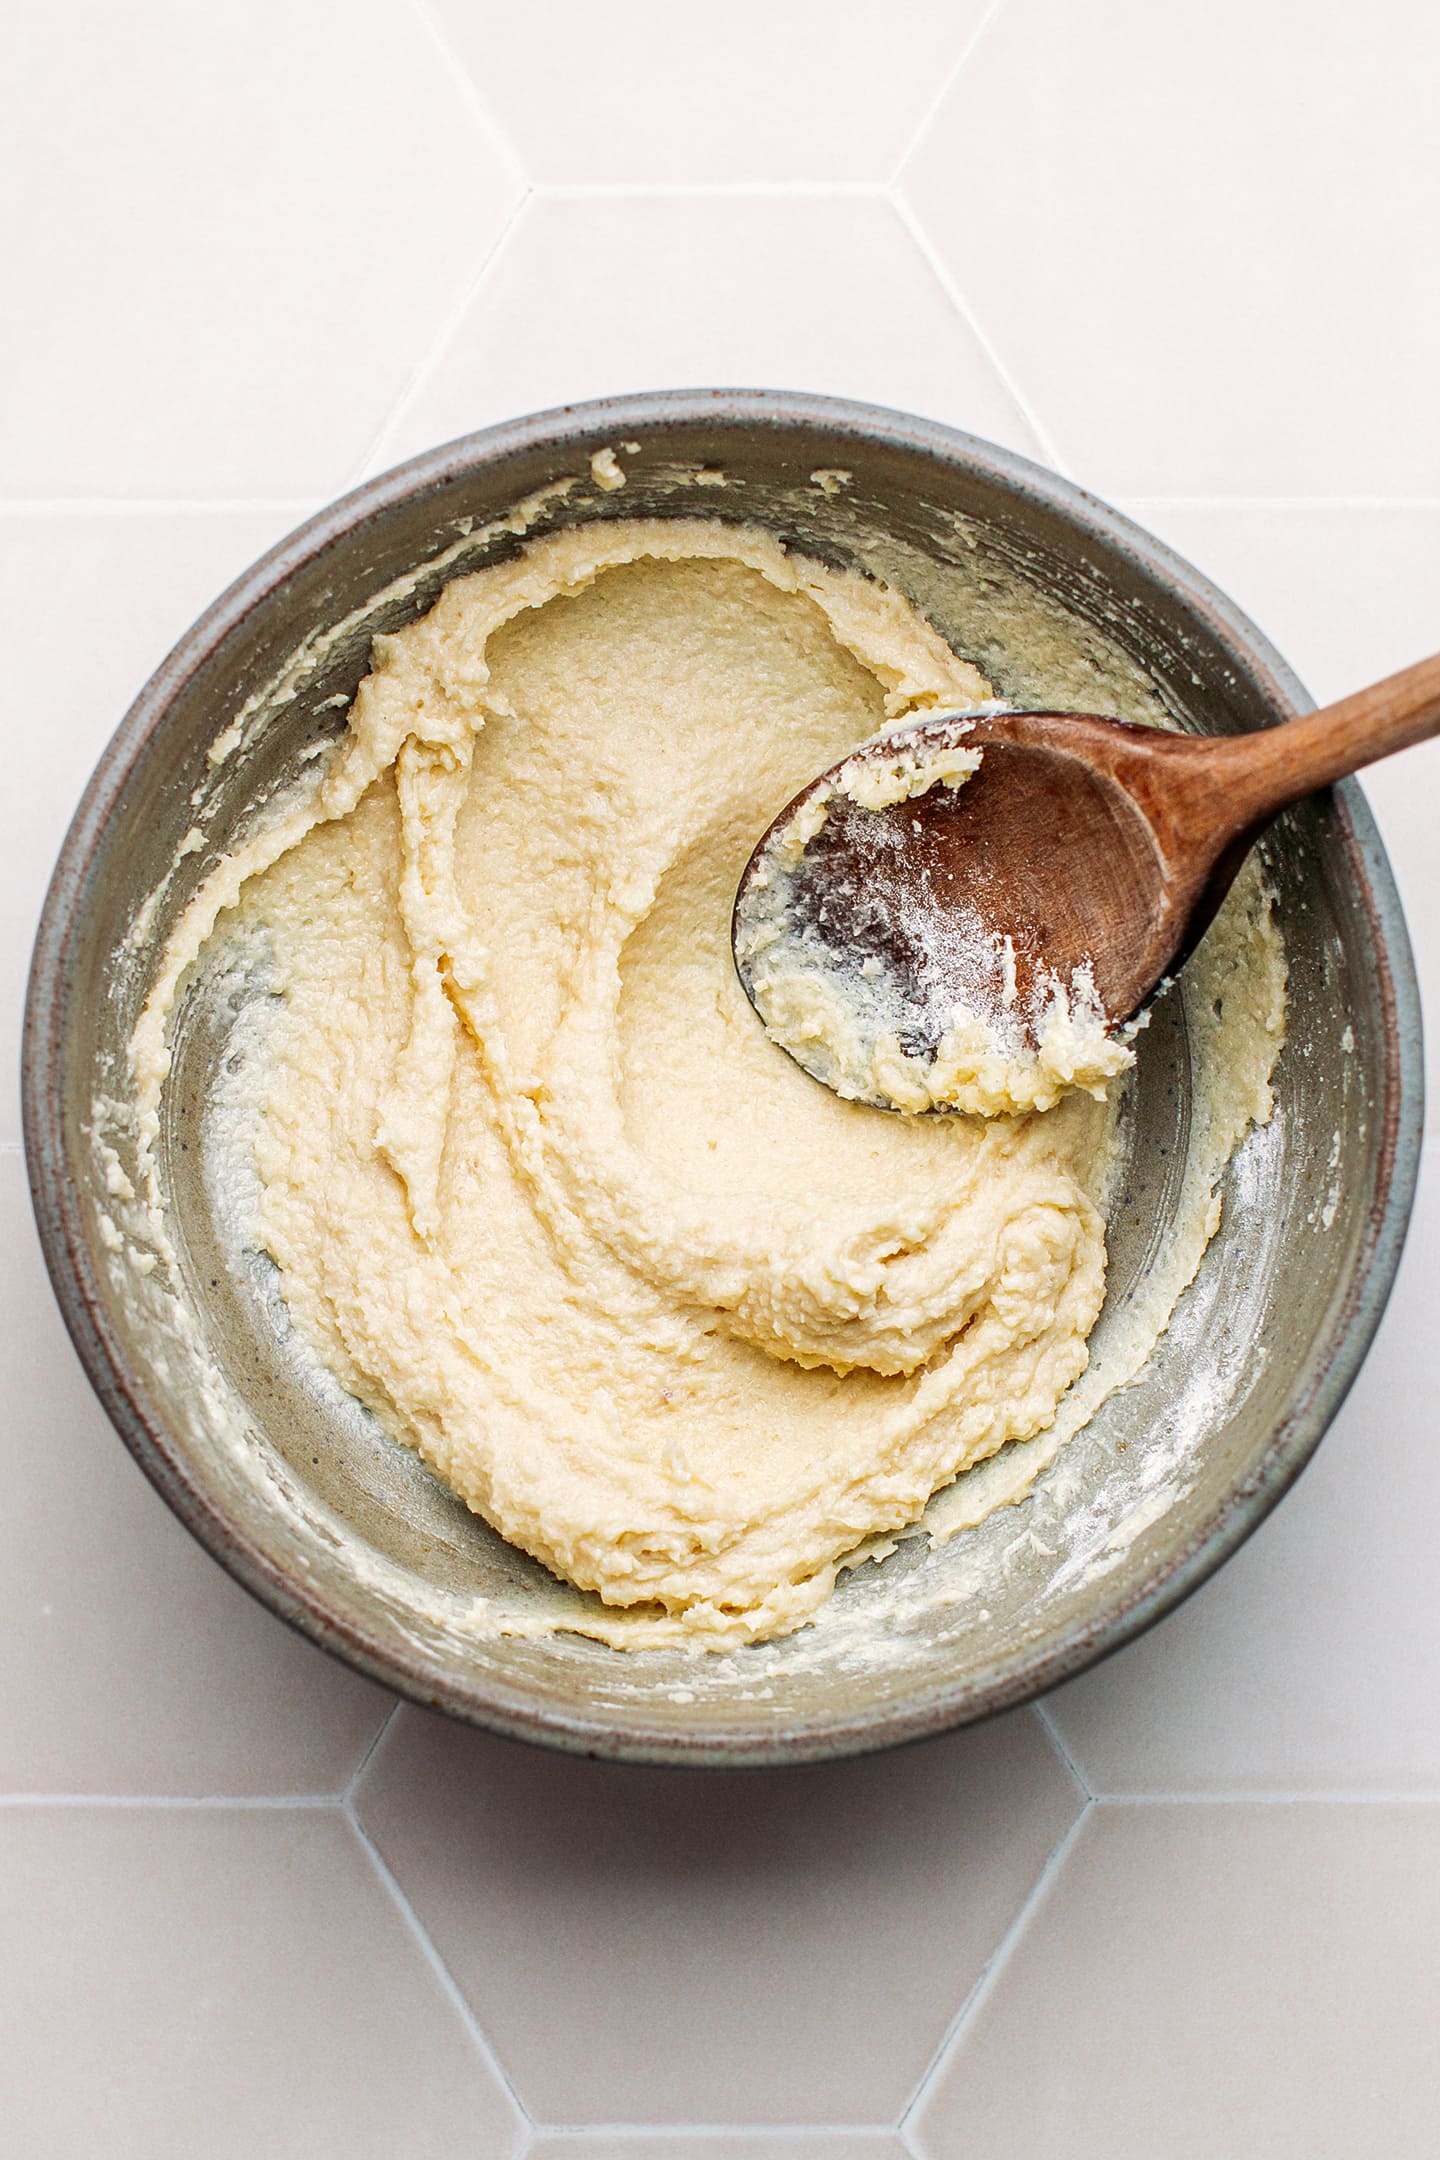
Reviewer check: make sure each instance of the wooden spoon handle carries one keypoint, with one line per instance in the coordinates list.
(1276, 766)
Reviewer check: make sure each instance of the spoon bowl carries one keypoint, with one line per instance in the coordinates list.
(1072, 863)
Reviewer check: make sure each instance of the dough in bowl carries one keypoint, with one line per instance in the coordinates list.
(673, 1317)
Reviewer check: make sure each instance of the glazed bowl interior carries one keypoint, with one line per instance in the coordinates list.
(344, 1531)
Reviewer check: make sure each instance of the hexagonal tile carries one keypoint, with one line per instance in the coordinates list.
(135, 580)
(132, 1663)
(646, 1946)
(263, 215)
(593, 296)
(1192, 234)
(639, 91)
(1312, 1662)
(1206, 1980)
(228, 1982)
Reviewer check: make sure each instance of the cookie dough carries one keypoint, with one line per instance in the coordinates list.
(670, 1315)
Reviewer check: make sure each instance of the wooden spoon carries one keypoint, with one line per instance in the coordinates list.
(1086, 843)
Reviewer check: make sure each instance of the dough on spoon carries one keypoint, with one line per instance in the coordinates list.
(886, 1027)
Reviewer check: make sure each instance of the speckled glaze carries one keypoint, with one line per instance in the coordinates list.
(368, 1554)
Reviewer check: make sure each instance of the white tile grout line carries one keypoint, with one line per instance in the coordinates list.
(1263, 503)
(940, 270)
(709, 190)
(995, 1964)
(168, 1802)
(1055, 1862)
(1059, 1744)
(296, 506)
(444, 337)
(1327, 1796)
(953, 294)
(490, 124)
(352, 1785)
(429, 358)
(451, 1988)
(340, 1798)
(443, 1975)
(342, 1804)
(947, 83)
(659, 2131)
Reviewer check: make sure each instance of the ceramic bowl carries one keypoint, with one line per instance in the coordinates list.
(344, 1532)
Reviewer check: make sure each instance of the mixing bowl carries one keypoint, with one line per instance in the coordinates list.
(343, 1531)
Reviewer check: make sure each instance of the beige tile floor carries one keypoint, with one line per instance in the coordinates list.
(254, 252)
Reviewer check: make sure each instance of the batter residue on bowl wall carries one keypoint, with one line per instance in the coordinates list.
(670, 1315)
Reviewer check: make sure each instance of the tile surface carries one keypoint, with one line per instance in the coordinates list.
(757, 2145)
(1312, 1661)
(252, 252)
(639, 91)
(234, 229)
(132, 1663)
(138, 578)
(1182, 275)
(596, 295)
(745, 1947)
(180, 1982)
(1205, 1980)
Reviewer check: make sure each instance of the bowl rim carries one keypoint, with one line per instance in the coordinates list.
(120, 1384)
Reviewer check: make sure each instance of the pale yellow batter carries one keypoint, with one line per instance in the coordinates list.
(668, 1313)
